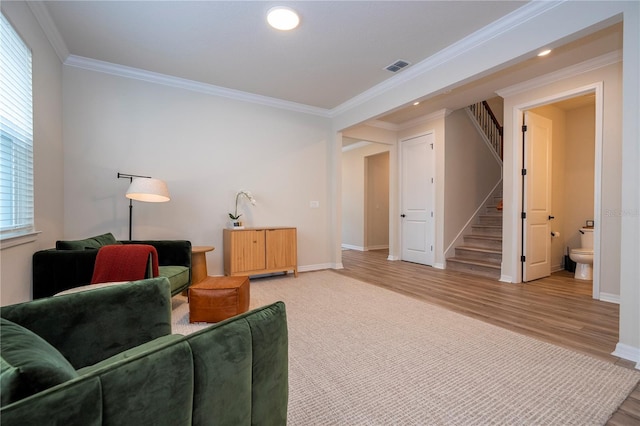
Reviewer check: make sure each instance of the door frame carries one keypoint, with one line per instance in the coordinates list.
(518, 114)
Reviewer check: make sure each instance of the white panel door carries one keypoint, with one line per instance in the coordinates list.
(418, 199)
(537, 197)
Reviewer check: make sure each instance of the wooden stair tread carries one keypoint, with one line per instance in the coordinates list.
(479, 249)
(485, 237)
(475, 262)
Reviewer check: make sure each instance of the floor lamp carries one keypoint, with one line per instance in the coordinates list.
(144, 188)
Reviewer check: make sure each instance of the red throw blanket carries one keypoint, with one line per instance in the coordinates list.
(127, 262)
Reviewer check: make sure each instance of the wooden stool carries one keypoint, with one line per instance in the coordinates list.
(217, 298)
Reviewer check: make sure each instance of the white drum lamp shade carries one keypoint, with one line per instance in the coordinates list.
(149, 190)
(145, 189)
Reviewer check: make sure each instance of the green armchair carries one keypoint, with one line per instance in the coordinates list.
(106, 356)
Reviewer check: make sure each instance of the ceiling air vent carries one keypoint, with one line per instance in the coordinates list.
(397, 66)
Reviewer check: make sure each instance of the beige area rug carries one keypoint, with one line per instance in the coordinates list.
(363, 355)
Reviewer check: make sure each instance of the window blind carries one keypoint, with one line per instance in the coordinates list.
(16, 134)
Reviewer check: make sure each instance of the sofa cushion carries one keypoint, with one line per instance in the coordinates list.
(29, 363)
(9, 381)
(88, 243)
(178, 275)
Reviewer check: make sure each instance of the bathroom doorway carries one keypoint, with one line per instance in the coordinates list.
(575, 173)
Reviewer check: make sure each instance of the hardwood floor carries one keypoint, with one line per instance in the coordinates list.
(557, 309)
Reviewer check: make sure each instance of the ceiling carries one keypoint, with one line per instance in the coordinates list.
(339, 50)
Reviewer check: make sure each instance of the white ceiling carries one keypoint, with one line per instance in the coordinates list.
(339, 50)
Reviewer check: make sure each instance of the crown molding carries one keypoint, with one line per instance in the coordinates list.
(568, 72)
(39, 10)
(41, 13)
(194, 86)
(356, 145)
(379, 124)
(442, 113)
(437, 115)
(469, 43)
(473, 41)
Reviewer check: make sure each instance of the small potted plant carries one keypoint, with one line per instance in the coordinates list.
(235, 217)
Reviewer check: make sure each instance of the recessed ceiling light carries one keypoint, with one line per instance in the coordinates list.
(416, 103)
(283, 18)
(544, 52)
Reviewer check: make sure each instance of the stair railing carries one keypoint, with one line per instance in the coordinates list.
(489, 124)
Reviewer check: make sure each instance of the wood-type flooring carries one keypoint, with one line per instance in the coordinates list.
(558, 309)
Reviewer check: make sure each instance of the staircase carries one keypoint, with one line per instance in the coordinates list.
(481, 251)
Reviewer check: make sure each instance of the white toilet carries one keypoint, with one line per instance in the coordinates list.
(583, 256)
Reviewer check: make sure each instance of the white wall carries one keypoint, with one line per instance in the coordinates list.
(471, 173)
(15, 280)
(580, 171)
(206, 148)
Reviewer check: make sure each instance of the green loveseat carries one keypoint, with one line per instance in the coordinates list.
(71, 263)
(106, 356)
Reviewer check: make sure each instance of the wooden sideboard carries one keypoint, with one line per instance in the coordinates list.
(255, 251)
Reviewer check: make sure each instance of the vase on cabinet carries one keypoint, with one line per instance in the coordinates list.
(235, 224)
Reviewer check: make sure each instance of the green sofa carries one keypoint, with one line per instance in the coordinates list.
(71, 263)
(106, 356)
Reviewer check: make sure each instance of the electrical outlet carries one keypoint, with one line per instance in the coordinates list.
(314, 204)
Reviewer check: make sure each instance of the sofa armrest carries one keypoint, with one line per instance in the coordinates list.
(58, 270)
(251, 365)
(89, 326)
(170, 252)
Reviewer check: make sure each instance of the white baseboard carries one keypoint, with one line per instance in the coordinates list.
(611, 298)
(439, 265)
(628, 352)
(360, 248)
(320, 267)
(380, 247)
(393, 257)
(352, 247)
(505, 279)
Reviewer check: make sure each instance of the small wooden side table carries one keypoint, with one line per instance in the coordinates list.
(199, 263)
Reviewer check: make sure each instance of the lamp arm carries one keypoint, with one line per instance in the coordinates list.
(130, 177)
